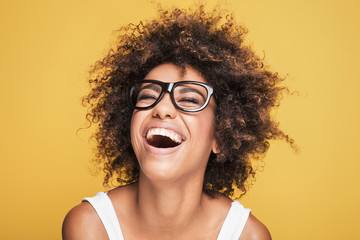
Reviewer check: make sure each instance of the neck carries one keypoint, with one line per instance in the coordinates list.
(170, 205)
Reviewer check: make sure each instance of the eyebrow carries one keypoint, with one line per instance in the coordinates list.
(152, 87)
(189, 89)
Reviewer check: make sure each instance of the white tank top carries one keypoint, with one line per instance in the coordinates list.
(231, 229)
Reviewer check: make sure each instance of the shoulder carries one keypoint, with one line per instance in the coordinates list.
(82, 222)
(255, 230)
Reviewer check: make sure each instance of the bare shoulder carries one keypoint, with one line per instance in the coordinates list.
(255, 230)
(82, 222)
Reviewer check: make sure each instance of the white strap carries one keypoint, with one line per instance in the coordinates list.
(104, 208)
(234, 222)
(231, 230)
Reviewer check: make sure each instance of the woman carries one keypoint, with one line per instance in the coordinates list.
(182, 106)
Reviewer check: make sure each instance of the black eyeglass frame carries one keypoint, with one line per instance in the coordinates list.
(168, 87)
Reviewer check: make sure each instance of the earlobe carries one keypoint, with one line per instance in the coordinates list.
(215, 148)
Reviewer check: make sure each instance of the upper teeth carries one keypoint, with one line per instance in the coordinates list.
(164, 132)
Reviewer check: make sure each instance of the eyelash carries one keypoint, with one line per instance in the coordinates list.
(192, 100)
(145, 96)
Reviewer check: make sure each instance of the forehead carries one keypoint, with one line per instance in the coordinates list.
(169, 72)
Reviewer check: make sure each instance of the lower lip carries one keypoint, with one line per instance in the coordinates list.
(159, 151)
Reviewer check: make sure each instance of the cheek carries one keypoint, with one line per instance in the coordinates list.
(135, 125)
(132, 126)
(135, 132)
(203, 126)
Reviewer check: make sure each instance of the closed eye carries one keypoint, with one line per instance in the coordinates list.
(145, 97)
(189, 100)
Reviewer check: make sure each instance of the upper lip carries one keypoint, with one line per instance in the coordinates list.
(164, 125)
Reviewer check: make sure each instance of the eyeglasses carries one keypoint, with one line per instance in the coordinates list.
(188, 96)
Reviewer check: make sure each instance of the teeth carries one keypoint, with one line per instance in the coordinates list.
(164, 132)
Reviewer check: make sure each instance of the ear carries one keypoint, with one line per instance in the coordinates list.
(214, 147)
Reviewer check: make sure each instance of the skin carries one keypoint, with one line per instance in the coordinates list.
(167, 202)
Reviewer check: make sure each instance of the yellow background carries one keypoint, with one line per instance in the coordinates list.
(47, 46)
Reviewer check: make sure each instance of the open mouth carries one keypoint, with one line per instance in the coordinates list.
(163, 138)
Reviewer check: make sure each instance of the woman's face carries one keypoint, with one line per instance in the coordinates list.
(170, 143)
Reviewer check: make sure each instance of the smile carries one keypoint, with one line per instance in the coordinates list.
(163, 138)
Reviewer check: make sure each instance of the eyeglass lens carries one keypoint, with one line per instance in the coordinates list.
(186, 96)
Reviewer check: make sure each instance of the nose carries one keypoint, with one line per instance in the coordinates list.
(165, 108)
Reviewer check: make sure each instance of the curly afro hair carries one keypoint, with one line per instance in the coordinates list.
(212, 43)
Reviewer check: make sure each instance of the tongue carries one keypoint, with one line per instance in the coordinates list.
(160, 141)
